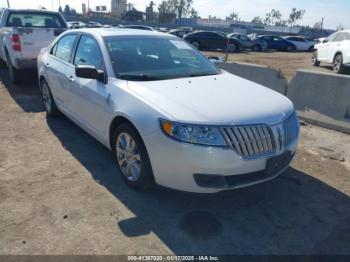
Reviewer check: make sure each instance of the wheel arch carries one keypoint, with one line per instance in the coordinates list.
(117, 121)
(337, 53)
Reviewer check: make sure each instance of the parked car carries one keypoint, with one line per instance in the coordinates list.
(23, 33)
(334, 50)
(180, 32)
(301, 43)
(168, 114)
(75, 24)
(255, 44)
(92, 24)
(278, 43)
(140, 27)
(207, 40)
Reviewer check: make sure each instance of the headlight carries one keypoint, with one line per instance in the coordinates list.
(194, 134)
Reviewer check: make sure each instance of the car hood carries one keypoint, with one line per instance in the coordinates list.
(223, 99)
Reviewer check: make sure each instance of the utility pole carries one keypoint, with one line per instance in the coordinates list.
(322, 22)
(8, 3)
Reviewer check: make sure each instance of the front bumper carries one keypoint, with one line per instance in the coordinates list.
(178, 165)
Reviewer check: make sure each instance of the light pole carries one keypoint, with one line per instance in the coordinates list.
(8, 3)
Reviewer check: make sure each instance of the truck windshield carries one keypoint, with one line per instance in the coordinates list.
(148, 58)
(35, 19)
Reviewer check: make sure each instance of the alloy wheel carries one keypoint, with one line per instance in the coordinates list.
(128, 157)
(46, 97)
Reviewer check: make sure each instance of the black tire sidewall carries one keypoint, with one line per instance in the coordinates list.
(54, 112)
(146, 179)
(341, 67)
(13, 72)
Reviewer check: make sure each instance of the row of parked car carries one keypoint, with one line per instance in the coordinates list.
(214, 40)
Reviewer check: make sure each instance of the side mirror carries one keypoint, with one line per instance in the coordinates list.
(90, 72)
(325, 41)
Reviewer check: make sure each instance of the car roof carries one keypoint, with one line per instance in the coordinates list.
(104, 32)
(31, 10)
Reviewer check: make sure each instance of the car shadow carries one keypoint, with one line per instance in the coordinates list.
(293, 214)
(26, 94)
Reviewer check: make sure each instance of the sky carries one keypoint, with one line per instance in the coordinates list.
(335, 12)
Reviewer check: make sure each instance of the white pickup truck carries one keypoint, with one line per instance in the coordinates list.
(23, 33)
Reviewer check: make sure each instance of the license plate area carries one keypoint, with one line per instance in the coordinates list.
(276, 164)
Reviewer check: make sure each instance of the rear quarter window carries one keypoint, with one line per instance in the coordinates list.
(36, 20)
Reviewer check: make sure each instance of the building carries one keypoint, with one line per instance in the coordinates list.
(118, 8)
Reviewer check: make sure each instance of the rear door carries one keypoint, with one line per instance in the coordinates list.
(59, 59)
(36, 30)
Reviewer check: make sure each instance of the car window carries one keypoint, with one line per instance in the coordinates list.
(346, 36)
(156, 58)
(35, 19)
(276, 38)
(339, 37)
(64, 47)
(88, 53)
(332, 37)
(244, 38)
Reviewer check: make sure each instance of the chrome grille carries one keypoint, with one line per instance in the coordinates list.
(250, 141)
(290, 129)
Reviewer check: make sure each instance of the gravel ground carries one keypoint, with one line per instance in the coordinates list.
(288, 63)
(60, 193)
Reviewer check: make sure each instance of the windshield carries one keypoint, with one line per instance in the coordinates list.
(155, 58)
(33, 19)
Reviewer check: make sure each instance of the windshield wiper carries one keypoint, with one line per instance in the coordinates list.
(202, 74)
(139, 77)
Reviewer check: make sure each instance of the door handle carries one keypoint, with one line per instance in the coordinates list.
(70, 78)
(47, 64)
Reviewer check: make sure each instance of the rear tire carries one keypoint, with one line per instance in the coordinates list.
(14, 73)
(338, 66)
(290, 48)
(314, 60)
(132, 158)
(232, 48)
(257, 48)
(48, 100)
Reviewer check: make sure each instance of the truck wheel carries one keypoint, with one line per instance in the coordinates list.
(132, 158)
(14, 73)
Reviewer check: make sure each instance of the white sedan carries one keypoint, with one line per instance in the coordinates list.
(169, 116)
(334, 50)
(301, 43)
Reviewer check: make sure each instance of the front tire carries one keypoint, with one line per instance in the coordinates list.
(49, 103)
(314, 60)
(132, 158)
(338, 66)
(232, 47)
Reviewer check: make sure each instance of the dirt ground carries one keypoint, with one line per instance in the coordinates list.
(60, 193)
(288, 63)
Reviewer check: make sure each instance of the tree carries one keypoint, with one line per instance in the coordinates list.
(183, 7)
(317, 25)
(233, 16)
(295, 16)
(340, 27)
(273, 18)
(257, 20)
(67, 10)
(193, 13)
(167, 12)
